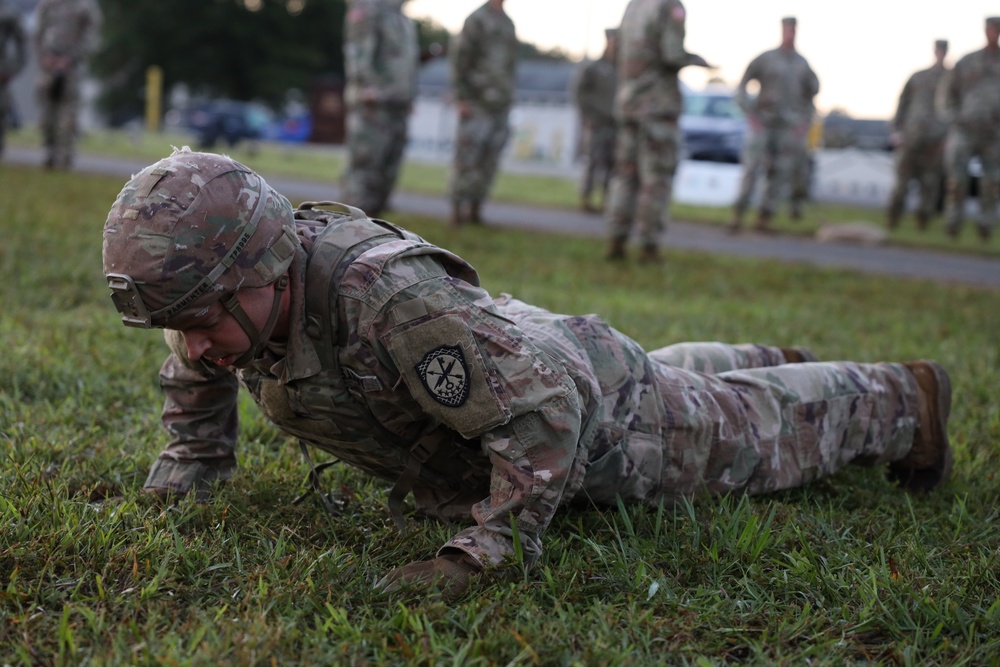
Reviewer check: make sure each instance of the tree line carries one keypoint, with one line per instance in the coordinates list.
(237, 49)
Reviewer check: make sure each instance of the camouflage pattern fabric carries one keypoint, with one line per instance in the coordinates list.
(479, 143)
(969, 102)
(920, 155)
(776, 152)
(13, 55)
(483, 69)
(513, 411)
(66, 33)
(594, 93)
(779, 118)
(646, 156)
(484, 60)
(648, 102)
(381, 58)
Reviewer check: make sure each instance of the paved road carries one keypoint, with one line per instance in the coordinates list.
(933, 265)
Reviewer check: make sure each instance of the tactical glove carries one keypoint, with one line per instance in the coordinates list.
(449, 575)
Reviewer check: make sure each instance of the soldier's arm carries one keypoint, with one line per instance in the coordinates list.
(811, 83)
(903, 106)
(200, 414)
(360, 47)
(464, 52)
(478, 374)
(92, 35)
(752, 73)
(949, 95)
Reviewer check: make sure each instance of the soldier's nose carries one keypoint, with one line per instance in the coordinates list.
(196, 344)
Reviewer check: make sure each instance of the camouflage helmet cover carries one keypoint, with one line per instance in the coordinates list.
(188, 230)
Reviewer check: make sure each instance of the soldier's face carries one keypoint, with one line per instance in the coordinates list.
(218, 338)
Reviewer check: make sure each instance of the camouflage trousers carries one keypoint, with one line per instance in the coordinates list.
(599, 147)
(5, 104)
(59, 98)
(919, 159)
(646, 155)
(959, 149)
(376, 139)
(738, 419)
(777, 152)
(479, 143)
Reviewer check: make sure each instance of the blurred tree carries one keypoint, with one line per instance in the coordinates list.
(240, 49)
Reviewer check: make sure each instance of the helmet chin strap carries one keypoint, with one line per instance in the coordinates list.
(258, 339)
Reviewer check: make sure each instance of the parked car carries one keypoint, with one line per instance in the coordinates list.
(712, 125)
(227, 120)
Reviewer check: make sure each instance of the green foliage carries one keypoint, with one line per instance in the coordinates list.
(219, 48)
(847, 571)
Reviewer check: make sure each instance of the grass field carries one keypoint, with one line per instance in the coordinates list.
(849, 570)
(325, 163)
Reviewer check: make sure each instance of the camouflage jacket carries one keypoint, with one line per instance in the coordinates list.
(916, 115)
(594, 90)
(12, 41)
(650, 55)
(380, 53)
(496, 411)
(970, 94)
(67, 29)
(484, 60)
(787, 88)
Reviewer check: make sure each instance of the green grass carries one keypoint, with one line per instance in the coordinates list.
(325, 163)
(849, 570)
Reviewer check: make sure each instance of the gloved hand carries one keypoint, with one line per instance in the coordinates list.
(449, 575)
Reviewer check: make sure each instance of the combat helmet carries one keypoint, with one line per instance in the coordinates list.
(191, 230)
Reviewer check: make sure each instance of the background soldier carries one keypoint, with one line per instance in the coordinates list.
(381, 57)
(779, 118)
(650, 56)
(969, 101)
(365, 340)
(594, 94)
(918, 135)
(67, 32)
(12, 58)
(483, 67)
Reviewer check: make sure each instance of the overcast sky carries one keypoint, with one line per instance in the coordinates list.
(862, 50)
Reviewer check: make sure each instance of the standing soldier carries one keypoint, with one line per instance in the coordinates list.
(918, 135)
(779, 117)
(483, 67)
(381, 57)
(594, 94)
(969, 101)
(12, 59)
(650, 56)
(364, 340)
(67, 32)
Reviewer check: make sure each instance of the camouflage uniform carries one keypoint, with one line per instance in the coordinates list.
(970, 103)
(483, 69)
(488, 411)
(780, 117)
(594, 94)
(67, 31)
(381, 58)
(12, 58)
(920, 154)
(650, 56)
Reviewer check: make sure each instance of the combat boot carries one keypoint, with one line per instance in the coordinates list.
(475, 208)
(763, 223)
(928, 463)
(737, 221)
(798, 355)
(457, 218)
(650, 254)
(923, 221)
(985, 233)
(616, 252)
(796, 211)
(587, 207)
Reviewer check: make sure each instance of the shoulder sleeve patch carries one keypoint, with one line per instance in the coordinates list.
(445, 372)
